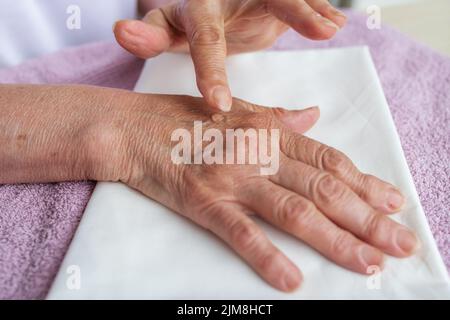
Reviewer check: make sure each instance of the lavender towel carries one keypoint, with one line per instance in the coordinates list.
(37, 222)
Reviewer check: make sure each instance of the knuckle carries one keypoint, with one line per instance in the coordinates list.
(329, 189)
(188, 182)
(210, 73)
(278, 112)
(244, 235)
(306, 217)
(289, 211)
(372, 226)
(369, 186)
(334, 161)
(296, 213)
(260, 120)
(245, 105)
(366, 189)
(206, 35)
(292, 144)
(266, 262)
(341, 243)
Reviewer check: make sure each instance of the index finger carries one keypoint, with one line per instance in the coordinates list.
(204, 28)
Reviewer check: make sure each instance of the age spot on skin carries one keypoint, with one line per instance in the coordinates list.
(21, 140)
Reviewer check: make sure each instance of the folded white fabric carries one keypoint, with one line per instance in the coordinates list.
(128, 246)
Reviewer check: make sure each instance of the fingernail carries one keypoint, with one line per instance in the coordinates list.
(370, 256)
(291, 279)
(407, 241)
(329, 23)
(395, 199)
(311, 108)
(338, 13)
(222, 98)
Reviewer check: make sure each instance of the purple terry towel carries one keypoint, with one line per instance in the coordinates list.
(37, 222)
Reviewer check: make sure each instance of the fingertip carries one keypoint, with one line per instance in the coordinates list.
(141, 39)
(320, 28)
(330, 12)
(292, 279)
(313, 113)
(126, 33)
(310, 117)
(407, 241)
(395, 201)
(341, 21)
(326, 28)
(370, 258)
(280, 272)
(119, 26)
(337, 16)
(288, 277)
(300, 120)
(221, 98)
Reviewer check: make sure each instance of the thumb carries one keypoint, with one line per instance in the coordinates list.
(298, 121)
(147, 38)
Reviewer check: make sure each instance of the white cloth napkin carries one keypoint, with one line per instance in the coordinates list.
(128, 246)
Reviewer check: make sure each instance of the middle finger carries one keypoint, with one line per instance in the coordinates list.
(335, 199)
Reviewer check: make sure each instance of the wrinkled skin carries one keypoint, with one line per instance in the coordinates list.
(62, 133)
(317, 195)
(211, 29)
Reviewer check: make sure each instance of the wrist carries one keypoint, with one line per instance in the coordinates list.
(63, 133)
(106, 139)
(123, 139)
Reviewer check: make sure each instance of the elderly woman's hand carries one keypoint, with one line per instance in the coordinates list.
(211, 29)
(315, 192)
(317, 195)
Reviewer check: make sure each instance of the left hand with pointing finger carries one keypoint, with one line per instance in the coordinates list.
(212, 29)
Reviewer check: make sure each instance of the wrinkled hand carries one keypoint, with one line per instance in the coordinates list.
(317, 195)
(211, 29)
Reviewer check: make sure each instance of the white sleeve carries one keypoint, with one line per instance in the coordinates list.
(30, 28)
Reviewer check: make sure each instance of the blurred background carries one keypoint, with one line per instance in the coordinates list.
(366, 3)
(427, 21)
(31, 28)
